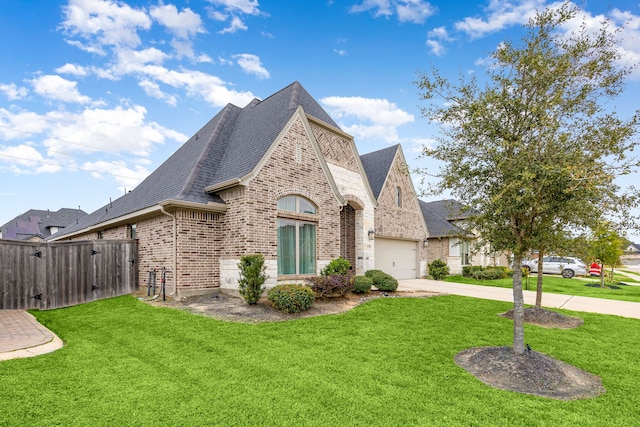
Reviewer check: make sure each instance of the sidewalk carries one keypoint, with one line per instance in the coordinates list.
(567, 302)
(22, 336)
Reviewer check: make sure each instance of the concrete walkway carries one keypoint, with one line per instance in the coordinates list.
(22, 336)
(568, 302)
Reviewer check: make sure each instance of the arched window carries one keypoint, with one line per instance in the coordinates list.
(296, 236)
(398, 197)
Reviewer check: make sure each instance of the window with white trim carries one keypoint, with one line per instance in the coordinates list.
(296, 236)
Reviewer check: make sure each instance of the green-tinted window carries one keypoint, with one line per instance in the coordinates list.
(296, 204)
(296, 239)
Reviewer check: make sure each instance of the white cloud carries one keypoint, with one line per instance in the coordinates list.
(369, 118)
(440, 33)
(183, 48)
(340, 52)
(24, 159)
(500, 15)
(196, 84)
(108, 132)
(232, 11)
(119, 129)
(235, 25)
(16, 125)
(104, 22)
(251, 64)
(127, 176)
(247, 7)
(436, 47)
(58, 89)
(416, 11)
(153, 90)
(73, 69)
(13, 92)
(184, 24)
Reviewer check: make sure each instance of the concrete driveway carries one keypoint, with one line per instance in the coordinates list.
(568, 302)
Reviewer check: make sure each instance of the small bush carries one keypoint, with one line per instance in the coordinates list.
(252, 277)
(362, 284)
(489, 273)
(438, 269)
(339, 266)
(332, 286)
(292, 298)
(468, 270)
(370, 273)
(384, 282)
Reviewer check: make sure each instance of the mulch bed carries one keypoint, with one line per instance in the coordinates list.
(530, 373)
(547, 318)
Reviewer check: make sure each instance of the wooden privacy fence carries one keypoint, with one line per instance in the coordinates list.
(61, 274)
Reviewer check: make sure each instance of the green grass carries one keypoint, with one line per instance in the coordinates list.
(386, 363)
(559, 285)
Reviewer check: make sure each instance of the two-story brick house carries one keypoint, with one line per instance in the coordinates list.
(277, 177)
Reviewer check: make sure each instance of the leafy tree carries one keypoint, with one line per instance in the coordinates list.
(535, 147)
(606, 246)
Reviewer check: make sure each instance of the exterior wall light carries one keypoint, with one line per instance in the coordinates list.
(371, 233)
(425, 242)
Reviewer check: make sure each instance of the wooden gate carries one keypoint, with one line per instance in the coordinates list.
(61, 274)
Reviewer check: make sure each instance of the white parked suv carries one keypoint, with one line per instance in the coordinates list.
(567, 266)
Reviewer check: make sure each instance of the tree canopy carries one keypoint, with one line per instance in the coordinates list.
(536, 149)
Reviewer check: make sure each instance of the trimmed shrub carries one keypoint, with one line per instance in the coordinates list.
(362, 285)
(333, 286)
(469, 270)
(384, 282)
(339, 266)
(438, 269)
(489, 273)
(292, 298)
(370, 273)
(252, 277)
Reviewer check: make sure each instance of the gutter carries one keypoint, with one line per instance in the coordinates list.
(174, 268)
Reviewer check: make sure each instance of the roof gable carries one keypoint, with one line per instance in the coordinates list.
(377, 166)
(228, 148)
(438, 216)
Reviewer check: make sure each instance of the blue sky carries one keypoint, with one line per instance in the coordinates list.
(95, 94)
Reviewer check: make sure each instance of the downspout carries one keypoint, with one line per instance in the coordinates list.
(175, 252)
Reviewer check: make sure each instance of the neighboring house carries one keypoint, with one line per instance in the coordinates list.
(449, 242)
(632, 249)
(37, 225)
(277, 177)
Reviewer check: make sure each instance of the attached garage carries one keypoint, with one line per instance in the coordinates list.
(396, 257)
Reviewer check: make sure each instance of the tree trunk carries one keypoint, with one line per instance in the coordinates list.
(602, 275)
(518, 306)
(539, 285)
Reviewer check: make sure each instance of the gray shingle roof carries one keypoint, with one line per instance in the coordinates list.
(376, 166)
(438, 216)
(228, 147)
(38, 223)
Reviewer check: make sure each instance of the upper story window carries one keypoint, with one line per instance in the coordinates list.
(296, 204)
(133, 231)
(398, 197)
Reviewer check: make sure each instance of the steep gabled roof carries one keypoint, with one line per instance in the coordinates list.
(36, 222)
(377, 165)
(227, 148)
(438, 216)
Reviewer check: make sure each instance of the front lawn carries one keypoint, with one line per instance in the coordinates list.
(388, 362)
(559, 285)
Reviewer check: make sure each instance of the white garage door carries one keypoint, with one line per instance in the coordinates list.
(396, 257)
